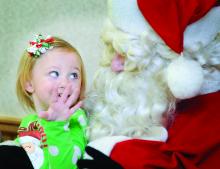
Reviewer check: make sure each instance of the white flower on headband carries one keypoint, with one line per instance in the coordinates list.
(39, 45)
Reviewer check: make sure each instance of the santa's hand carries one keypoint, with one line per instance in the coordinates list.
(99, 161)
(61, 107)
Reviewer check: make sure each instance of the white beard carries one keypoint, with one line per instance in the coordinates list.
(132, 103)
(127, 104)
(37, 157)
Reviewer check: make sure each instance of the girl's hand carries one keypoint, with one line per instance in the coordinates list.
(61, 107)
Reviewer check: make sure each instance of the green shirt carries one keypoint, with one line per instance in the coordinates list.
(53, 144)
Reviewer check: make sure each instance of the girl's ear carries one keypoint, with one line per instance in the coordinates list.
(29, 87)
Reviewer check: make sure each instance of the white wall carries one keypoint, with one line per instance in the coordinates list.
(77, 21)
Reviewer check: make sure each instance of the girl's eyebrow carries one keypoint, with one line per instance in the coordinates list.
(53, 67)
(76, 68)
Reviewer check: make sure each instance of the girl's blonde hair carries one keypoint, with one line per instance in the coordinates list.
(25, 68)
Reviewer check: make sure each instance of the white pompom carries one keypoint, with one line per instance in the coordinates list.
(184, 77)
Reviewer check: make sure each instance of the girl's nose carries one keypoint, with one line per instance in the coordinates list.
(63, 83)
(64, 86)
(60, 90)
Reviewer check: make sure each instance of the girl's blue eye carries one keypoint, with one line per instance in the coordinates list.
(74, 76)
(54, 74)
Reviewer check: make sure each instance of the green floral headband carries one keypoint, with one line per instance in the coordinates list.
(39, 45)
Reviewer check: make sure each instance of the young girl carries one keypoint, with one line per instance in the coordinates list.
(51, 81)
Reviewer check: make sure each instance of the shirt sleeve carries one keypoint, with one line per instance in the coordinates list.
(78, 124)
(69, 131)
(65, 140)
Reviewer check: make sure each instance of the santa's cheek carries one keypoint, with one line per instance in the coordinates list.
(29, 147)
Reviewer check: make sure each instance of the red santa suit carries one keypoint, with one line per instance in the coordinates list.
(194, 140)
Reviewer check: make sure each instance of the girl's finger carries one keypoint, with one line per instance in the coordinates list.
(73, 98)
(74, 108)
(43, 115)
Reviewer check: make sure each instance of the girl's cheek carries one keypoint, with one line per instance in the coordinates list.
(74, 86)
(50, 87)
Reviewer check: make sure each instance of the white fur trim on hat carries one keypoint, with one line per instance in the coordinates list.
(126, 15)
(27, 139)
(202, 32)
(184, 77)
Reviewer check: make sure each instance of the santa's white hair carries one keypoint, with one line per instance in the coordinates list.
(139, 101)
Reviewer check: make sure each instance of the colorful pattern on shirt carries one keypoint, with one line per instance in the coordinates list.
(53, 144)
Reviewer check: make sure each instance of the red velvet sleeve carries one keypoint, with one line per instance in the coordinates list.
(194, 140)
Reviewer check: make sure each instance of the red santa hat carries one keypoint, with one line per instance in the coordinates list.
(30, 136)
(169, 19)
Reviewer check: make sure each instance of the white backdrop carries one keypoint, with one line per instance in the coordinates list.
(77, 21)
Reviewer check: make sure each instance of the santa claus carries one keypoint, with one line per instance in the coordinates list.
(155, 98)
(31, 142)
